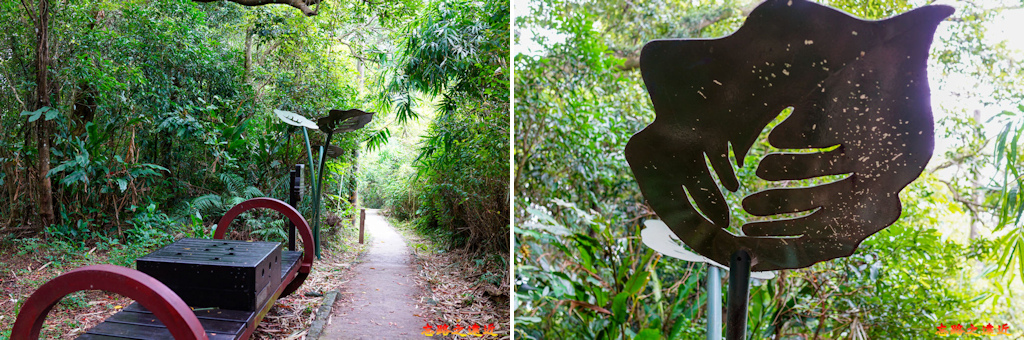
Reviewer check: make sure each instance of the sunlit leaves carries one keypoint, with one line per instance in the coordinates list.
(1009, 160)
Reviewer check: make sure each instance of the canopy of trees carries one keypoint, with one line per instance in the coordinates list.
(582, 271)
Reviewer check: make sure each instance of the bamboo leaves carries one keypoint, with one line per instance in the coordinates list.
(1009, 160)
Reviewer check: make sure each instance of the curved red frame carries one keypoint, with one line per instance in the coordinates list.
(147, 291)
(293, 215)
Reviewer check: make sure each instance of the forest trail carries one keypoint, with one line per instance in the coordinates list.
(379, 301)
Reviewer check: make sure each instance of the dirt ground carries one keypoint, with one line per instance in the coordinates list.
(26, 266)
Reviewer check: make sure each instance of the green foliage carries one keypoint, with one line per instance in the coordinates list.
(235, 191)
(1009, 160)
(577, 275)
(386, 179)
(454, 53)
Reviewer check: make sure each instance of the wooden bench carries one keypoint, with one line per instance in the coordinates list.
(158, 312)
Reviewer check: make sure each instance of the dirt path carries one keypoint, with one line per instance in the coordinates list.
(379, 301)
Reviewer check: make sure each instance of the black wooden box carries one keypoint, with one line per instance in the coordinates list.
(223, 274)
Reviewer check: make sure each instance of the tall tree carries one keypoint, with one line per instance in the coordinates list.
(44, 132)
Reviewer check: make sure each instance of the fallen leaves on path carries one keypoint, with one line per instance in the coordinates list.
(293, 314)
(457, 294)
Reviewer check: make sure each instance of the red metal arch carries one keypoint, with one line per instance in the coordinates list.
(147, 291)
(293, 215)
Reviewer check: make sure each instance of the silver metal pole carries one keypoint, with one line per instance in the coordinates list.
(714, 292)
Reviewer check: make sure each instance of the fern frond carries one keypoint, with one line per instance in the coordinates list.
(252, 192)
(233, 184)
(233, 201)
(207, 203)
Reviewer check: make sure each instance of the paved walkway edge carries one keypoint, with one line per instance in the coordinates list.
(317, 328)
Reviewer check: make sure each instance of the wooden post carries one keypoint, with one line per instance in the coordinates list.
(362, 224)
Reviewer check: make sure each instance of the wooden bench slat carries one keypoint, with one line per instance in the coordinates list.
(88, 336)
(145, 332)
(289, 259)
(147, 319)
(204, 314)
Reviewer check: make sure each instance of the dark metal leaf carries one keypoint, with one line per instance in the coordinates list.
(859, 86)
(344, 120)
(332, 151)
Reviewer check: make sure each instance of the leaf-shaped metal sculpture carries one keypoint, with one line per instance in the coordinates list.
(331, 150)
(294, 119)
(859, 86)
(344, 120)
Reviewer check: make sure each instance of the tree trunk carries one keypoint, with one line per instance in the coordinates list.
(248, 57)
(43, 129)
(353, 197)
(977, 194)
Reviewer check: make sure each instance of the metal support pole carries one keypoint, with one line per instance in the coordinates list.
(316, 202)
(714, 291)
(739, 295)
(309, 153)
(319, 188)
(315, 191)
(362, 224)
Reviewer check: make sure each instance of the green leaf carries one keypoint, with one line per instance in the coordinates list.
(154, 166)
(619, 307)
(527, 319)
(59, 168)
(77, 176)
(649, 334)
(637, 282)
(51, 113)
(34, 115)
(1020, 256)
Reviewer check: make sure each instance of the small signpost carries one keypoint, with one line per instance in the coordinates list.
(362, 224)
(294, 195)
(856, 89)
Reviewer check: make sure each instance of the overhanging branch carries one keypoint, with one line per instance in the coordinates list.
(302, 5)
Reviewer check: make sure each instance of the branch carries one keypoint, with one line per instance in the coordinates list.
(632, 59)
(28, 10)
(14, 91)
(971, 206)
(633, 56)
(302, 5)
